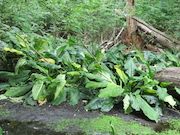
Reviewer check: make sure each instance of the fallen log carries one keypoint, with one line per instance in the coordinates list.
(157, 35)
(169, 74)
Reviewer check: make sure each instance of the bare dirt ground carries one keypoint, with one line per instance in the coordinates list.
(20, 113)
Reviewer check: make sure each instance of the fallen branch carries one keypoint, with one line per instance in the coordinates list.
(158, 36)
(169, 74)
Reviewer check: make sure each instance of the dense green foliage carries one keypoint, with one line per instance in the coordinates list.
(162, 14)
(37, 64)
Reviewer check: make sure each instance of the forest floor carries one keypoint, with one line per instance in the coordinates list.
(18, 118)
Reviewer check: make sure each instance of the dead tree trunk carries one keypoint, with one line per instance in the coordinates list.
(157, 35)
(169, 74)
(132, 37)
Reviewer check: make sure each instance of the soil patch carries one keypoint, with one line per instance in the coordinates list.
(38, 116)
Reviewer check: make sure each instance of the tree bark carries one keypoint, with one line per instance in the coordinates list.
(169, 74)
(132, 36)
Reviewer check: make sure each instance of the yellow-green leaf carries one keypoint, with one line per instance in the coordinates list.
(121, 74)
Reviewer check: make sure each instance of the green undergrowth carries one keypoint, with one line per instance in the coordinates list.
(102, 124)
(110, 125)
(173, 127)
(4, 112)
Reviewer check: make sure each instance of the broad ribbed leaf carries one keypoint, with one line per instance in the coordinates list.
(50, 65)
(140, 55)
(19, 78)
(4, 86)
(38, 76)
(170, 100)
(3, 97)
(177, 90)
(162, 93)
(134, 103)
(130, 67)
(165, 84)
(74, 96)
(106, 104)
(17, 91)
(74, 73)
(51, 55)
(112, 90)
(147, 109)
(126, 103)
(19, 64)
(172, 57)
(100, 77)
(59, 88)
(61, 98)
(6, 75)
(121, 74)
(34, 65)
(37, 89)
(95, 85)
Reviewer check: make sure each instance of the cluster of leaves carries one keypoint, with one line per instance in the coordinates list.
(162, 14)
(66, 70)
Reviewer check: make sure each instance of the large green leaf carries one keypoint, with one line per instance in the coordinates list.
(23, 76)
(151, 99)
(106, 76)
(170, 100)
(74, 96)
(99, 55)
(4, 75)
(130, 67)
(95, 85)
(147, 109)
(51, 55)
(173, 58)
(140, 55)
(112, 90)
(61, 98)
(134, 103)
(177, 90)
(165, 84)
(148, 84)
(61, 50)
(97, 76)
(126, 104)
(17, 91)
(51, 89)
(151, 73)
(4, 86)
(37, 89)
(60, 85)
(74, 73)
(3, 97)
(106, 104)
(162, 93)
(121, 74)
(49, 65)
(19, 64)
(38, 76)
(34, 65)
